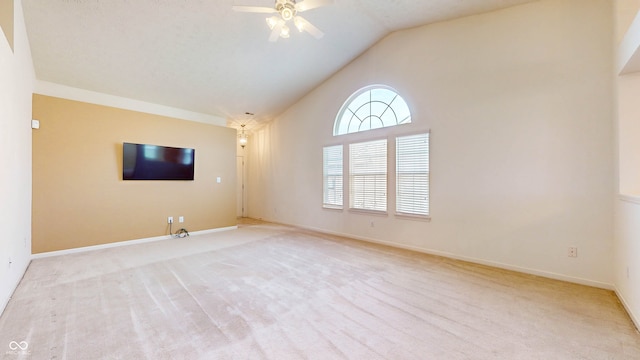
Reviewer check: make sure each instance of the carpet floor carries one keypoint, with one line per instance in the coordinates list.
(267, 291)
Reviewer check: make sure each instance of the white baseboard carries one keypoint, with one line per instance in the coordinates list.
(123, 243)
(13, 286)
(524, 270)
(211, 231)
(634, 318)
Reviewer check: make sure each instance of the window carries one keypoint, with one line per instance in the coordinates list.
(368, 175)
(412, 174)
(375, 166)
(369, 108)
(332, 177)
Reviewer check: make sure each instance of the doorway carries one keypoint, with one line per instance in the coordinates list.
(240, 186)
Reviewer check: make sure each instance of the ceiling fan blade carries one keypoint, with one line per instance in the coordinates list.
(305, 5)
(275, 33)
(308, 27)
(254, 9)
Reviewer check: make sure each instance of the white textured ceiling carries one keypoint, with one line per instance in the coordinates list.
(200, 55)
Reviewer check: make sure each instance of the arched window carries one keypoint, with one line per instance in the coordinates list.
(371, 107)
(365, 182)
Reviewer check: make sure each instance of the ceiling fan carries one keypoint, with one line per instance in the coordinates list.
(288, 10)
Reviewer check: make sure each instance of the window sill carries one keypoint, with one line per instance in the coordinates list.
(368, 212)
(403, 216)
(332, 208)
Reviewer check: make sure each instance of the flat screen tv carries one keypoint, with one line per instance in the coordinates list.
(154, 162)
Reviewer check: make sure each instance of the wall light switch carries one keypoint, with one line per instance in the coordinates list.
(35, 124)
(181, 219)
(218, 179)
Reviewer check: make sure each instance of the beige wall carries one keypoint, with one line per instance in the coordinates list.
(6, 20)
(16, 85)
(519, 103)
(79, 197)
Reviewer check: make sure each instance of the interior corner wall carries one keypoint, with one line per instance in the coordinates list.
(79, 197)
(625, 12)
(626, 264)
(519, 103)
(16, 85)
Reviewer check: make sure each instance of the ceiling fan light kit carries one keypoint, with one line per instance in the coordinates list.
(299, 24)
(274, 22)
(284, 32)
(288, 10)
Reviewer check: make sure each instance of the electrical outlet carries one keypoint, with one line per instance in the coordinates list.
(181, 219)
(170, 220)
(573, 251)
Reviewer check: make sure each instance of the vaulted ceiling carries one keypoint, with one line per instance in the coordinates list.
(201, 56)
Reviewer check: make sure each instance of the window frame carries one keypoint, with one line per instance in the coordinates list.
(390, 133)
(346, 106)
(399, 213)
(326, 204)
(349, 177)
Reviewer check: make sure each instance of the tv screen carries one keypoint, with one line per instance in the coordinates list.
(154, 162)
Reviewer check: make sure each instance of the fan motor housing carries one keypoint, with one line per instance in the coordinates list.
(286, 8)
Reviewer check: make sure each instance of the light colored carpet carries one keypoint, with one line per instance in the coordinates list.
(273, 292)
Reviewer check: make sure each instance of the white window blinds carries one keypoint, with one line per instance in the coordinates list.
(332, 176)
(368, 175)
(412, 174)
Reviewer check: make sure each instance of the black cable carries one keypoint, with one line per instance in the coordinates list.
(179, 234)
(182, 233)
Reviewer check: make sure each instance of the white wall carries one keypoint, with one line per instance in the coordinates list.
(628, 88)
(626, 264)
(519, 102)
(16, 86)
(627, 255)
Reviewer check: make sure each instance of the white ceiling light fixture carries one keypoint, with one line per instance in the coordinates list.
(288, 10)
(242, 138)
